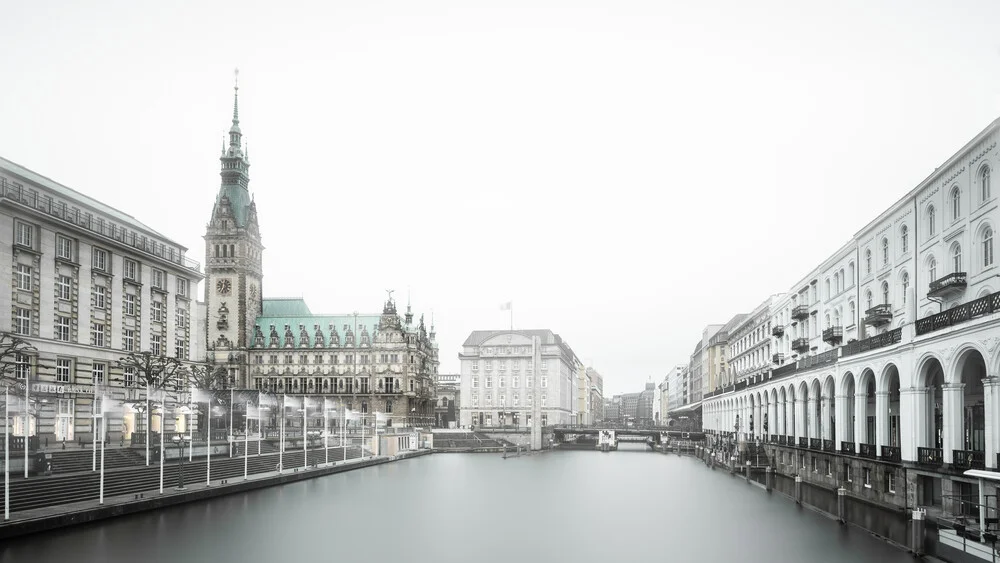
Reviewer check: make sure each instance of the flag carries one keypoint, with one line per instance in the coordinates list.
(311, 402)
(293, 402)
(506, 306)
(381, 417)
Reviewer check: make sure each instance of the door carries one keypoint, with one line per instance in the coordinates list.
(64, 420)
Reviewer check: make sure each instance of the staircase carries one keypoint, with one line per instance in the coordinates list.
(75, 461)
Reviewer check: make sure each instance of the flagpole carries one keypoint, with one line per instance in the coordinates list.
(343, 424)
(305, 453)
(362, 436)
(208, 434)
(326, 432)
(232, 399)
(163, 410)
(246, 442)
(149, 423)
(93, 424)
(281, 436)
(27, 421)
(103, 407)
(190, 429)
(6, 452)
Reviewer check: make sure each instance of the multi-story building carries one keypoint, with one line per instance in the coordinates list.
(364, 362)
(644, 411)
(676, 381)
(717, 353)
(448, 399)
(888, 386)
(613, 409)
(751, 342)
(499, 378)
(630, 407)
(698, 364)
(663, 388)
(596, 395)
(89, 284)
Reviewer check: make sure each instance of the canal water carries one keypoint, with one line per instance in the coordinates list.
(480, 508)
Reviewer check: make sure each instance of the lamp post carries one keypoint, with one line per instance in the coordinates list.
(181, 441)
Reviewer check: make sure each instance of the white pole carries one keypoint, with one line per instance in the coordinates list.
(232, 397)
(326, 431)
(246, 442)
(27, 422)
(343, 424)
(281, 436)
(305, 452)
(190, 429)
(6, 453)
(102, 453)
(362, 436)
(93, 426)
(163, 410)
(208, 434)
(149, 424)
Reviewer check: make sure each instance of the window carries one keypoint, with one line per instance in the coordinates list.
(906, 285)
(853, 312)
(182, 287)
(100, 260)
(64, 247)
(868, 261)
(63, 368)
(23, 274)
(544, 399)
(828, 294)
(545, 382)
(25, 234)
(931, 224)
(128, 340)
(956, 258)
(489, 400)
(22, 321)
(815, 466)
(885, 251)
(987, 247)
(475, 382)
(517, 399)
(130, 376)
(158, 279)
(100, 296)
(158, 308)
(956, 204)
(97, 334)
(22, 366)
(64, 286)
(904, 239)
(867, 473)
(489, 382)
(984, 182)
(829, 468)
(475, 365)
(62, 328)
(475, 400)
(868, 300)
(131, 270)
(932, 268)
(515, 382)
(98, 372)
(850, 270)
(890, 481)
(847, 472)
(885, 293)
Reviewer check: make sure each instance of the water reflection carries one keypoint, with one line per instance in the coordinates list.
(580, 506)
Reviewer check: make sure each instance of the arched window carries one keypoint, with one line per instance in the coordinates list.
(836, 317)
(930, 221)
(984, 182)
(904, 239)
(905, 280)
(868, 261)
(853, 312)
(885, 251)
(956, 258)
(956, 204)
(987, 247)
(827, 320)
(850, 270)
(827, 287)
(932, 268)
(885, 293)
(868, 300)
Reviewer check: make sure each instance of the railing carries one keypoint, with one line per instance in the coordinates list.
(951, 282)
(930, 456)
(828, 446)
(778, 358)
(784, 370)
(95, 224)
(879, 314)
(887, 338)
(778, 330)
(139, 438)
(800, 312)
(833, 334)
(869, 451)
(800, 344)
(781, 440)
(815, 444)
(891, 453)
(790, 440)
(773, 438)
(847, 448)
(960, 314)
(17, 443)
(803, 442)
(968, 459)
(828, 357)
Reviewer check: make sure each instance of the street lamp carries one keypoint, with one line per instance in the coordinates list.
(181, 441)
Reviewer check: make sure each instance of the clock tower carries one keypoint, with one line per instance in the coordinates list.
(233, 251)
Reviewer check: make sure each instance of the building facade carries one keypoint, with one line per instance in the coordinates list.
(499, 378)
(889, 383)
(596, 395)
(448, 390)
(676, 381)
(645, 414)
(89, 284)
(751, 343)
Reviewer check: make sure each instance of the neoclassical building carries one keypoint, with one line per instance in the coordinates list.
(887, 354)
(371, 363)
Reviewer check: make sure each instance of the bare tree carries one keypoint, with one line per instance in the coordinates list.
(11, 346)
(158, 373)
(208, 377)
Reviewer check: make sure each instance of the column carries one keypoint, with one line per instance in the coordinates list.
(810, 419)
(824, 417)
(800, 420)
(990, 386)
(912, 422)
(841, 412)
(860, 419)
(952, 405)
(881, 420)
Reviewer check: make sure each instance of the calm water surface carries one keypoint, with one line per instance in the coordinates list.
(479, 508)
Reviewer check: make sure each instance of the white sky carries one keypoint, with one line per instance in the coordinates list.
(625, 172)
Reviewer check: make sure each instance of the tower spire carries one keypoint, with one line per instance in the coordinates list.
(234, 132)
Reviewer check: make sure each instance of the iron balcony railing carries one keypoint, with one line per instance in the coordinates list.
(891, 453)
(828, 445)
(879, 315)
(800, 344)
(773, 438)
(800, 312)
(847, 448)
(815, 444)
(930, 456)
(960, 314)
(952, 283)
(968, 459)
(803, 442)
(778, 330)
(778, 358)
(887, 338)
(781, 440)
(869, 451)
(833, 335)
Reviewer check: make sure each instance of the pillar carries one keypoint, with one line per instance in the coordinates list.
(860, 419)
(810, 420)
(824, 415)
(800, 420)
(917, 540)
(768, 478)
(912, 422)
(840, 412)
(842, 505)
(798, 489)
(881, 420)
(990, 386)
(951, 394)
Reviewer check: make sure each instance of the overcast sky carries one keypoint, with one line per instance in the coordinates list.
(624, 172)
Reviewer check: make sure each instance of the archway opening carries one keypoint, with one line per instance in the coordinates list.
(895, 433)
(870, 416)
(932, 379)
(851, 415)
(971, 370)
(830, 405)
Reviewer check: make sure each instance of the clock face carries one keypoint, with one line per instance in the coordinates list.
(224, 286)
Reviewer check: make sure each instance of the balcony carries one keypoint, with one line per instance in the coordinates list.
(803, 442)
(778, 358)
(800, 312)
(847, 448)
(800, 344)
(930, 456)
(815, 444)
(778, 330)
(879, 315)
(949, 285)
(888, 338)
(968, 459)
(868, 450)
(833, 335)
(891, 453)
(965, 312)
(828, 446)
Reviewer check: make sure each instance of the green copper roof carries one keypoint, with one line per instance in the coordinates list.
(324, 321)
(239, 202)
(286, 307)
